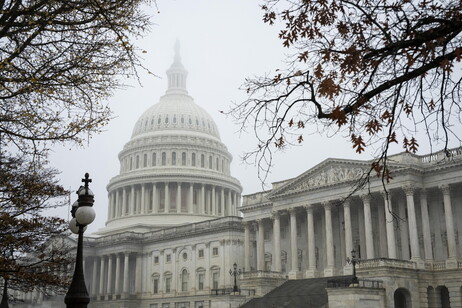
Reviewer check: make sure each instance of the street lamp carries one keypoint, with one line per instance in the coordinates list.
(4, 303)
(354, 260)
(83, 214)
(236, 271)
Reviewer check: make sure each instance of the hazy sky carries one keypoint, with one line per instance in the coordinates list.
(222, 43)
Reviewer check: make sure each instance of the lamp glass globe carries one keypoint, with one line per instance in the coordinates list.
(85, 215)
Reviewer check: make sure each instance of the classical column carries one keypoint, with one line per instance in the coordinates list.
(109, 275)
(328, 270)
(102, 276)
(143, 199)
(247, 246)
(191, 199)
(230, 204)
(126, 271)
(132, 205)
(138, 272)
(348, 232)
(178, 197)
(155, 207)
(117, 208)
(117, 275)
(214, 209)
(368, 227)
(391, 242)
(277, 241)
(204, 203)
(222, 201)
(311, 241)
(261, 246)
(167, 198)
(293, 244)
(93, 278)
(412, 222)
(110, 207)
(445, 189)
(426, 225)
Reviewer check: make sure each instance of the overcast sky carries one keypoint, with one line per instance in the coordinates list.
(222, 43)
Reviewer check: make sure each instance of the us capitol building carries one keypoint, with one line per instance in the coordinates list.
(176, 226)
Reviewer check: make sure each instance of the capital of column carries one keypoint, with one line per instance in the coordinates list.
(409, 189)
(445, 189)
(346, 202)
(423, 192)
(292, 211)
(327, 205)
(309, 207)
(260, 222)
(366, 197)
(275, 215)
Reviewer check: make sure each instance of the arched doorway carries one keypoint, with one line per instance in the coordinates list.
(402, 298)
(443, 293)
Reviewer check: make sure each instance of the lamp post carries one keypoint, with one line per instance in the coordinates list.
(236, 271)
(4, 303)
(82, 215)
(354, 260)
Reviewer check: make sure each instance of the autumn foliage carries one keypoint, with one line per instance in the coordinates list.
(379, 71)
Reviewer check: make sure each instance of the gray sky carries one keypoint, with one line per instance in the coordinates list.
(222, 43)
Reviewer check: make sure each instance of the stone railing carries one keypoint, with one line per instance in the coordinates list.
(383, 262)
(439, 156)
(263, 274)
(230, 291)
(362, 283)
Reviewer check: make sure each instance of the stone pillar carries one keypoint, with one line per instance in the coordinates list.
(230, 204)
(132, 205)
(143, 199)
(138, 273)
(311, 242)
(449, 218)
(102, 277)
(109, 275)
(348, 231)
(329, 269)
(391, 242)
(117, 209)
(261, 246)
(178, 197)
(247, 246)
(204, 203)
(214, 209)
(117, 276)
(413, 235)
(93, 278)
(126, 272)
(426, 225)
(222, 201)
(167, 199)
(293, 244)
(155, 207)
(370, 254)
(191, 200)
(277, 241)
(110, 207)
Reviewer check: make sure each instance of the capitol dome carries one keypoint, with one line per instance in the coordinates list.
(174, 170)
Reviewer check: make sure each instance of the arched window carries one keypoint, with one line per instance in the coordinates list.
(193, 159)
(145, 160)
(166, 119)
(402, 298)
(210, 162)
(137, 162)
(154, 159)
(131, 163)
(174, 158)
(202, 160)
(200, 279)
(168, 283)
(159, 120)
(164, 158)
(183, 159)
(174, 119)
(217, 164)
(184, 280)
(155, 283)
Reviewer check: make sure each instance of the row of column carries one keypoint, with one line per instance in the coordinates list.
(391, 252)
(105, 283)
(209, 200)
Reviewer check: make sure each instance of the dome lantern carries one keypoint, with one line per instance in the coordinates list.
(177, 74)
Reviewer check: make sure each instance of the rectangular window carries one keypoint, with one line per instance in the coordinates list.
(201, 281)
(173, 158)
(215, 277)
(193, 159)
(168, 257)
(137, 162)
(154, 159)
(165, 305)
(145, 160)
(164, 158)
(156, 285)
(201, 253)
(210, 162)
(183, 159)
(199, 304)
(202, 161)
(215, 251)
(168, 282)
(156, 260)
(153, 306)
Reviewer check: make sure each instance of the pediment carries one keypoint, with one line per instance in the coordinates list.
(328, 173)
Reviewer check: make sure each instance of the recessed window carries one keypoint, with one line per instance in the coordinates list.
(185, 256)
(215, 277)
(156, 260)
(166, 119)
(201, 253)
(174, 158)
(210, 162)
(174, 119)
(155, 285)
(201, 279)
(168, 282)
(145, 160)
(193, 159)
(154, 159)
(168, 258)
(164, 158)
(137, 161)
(215, 251)
(182, 120)
(202, 160)
(183, 159)
(159, 120)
